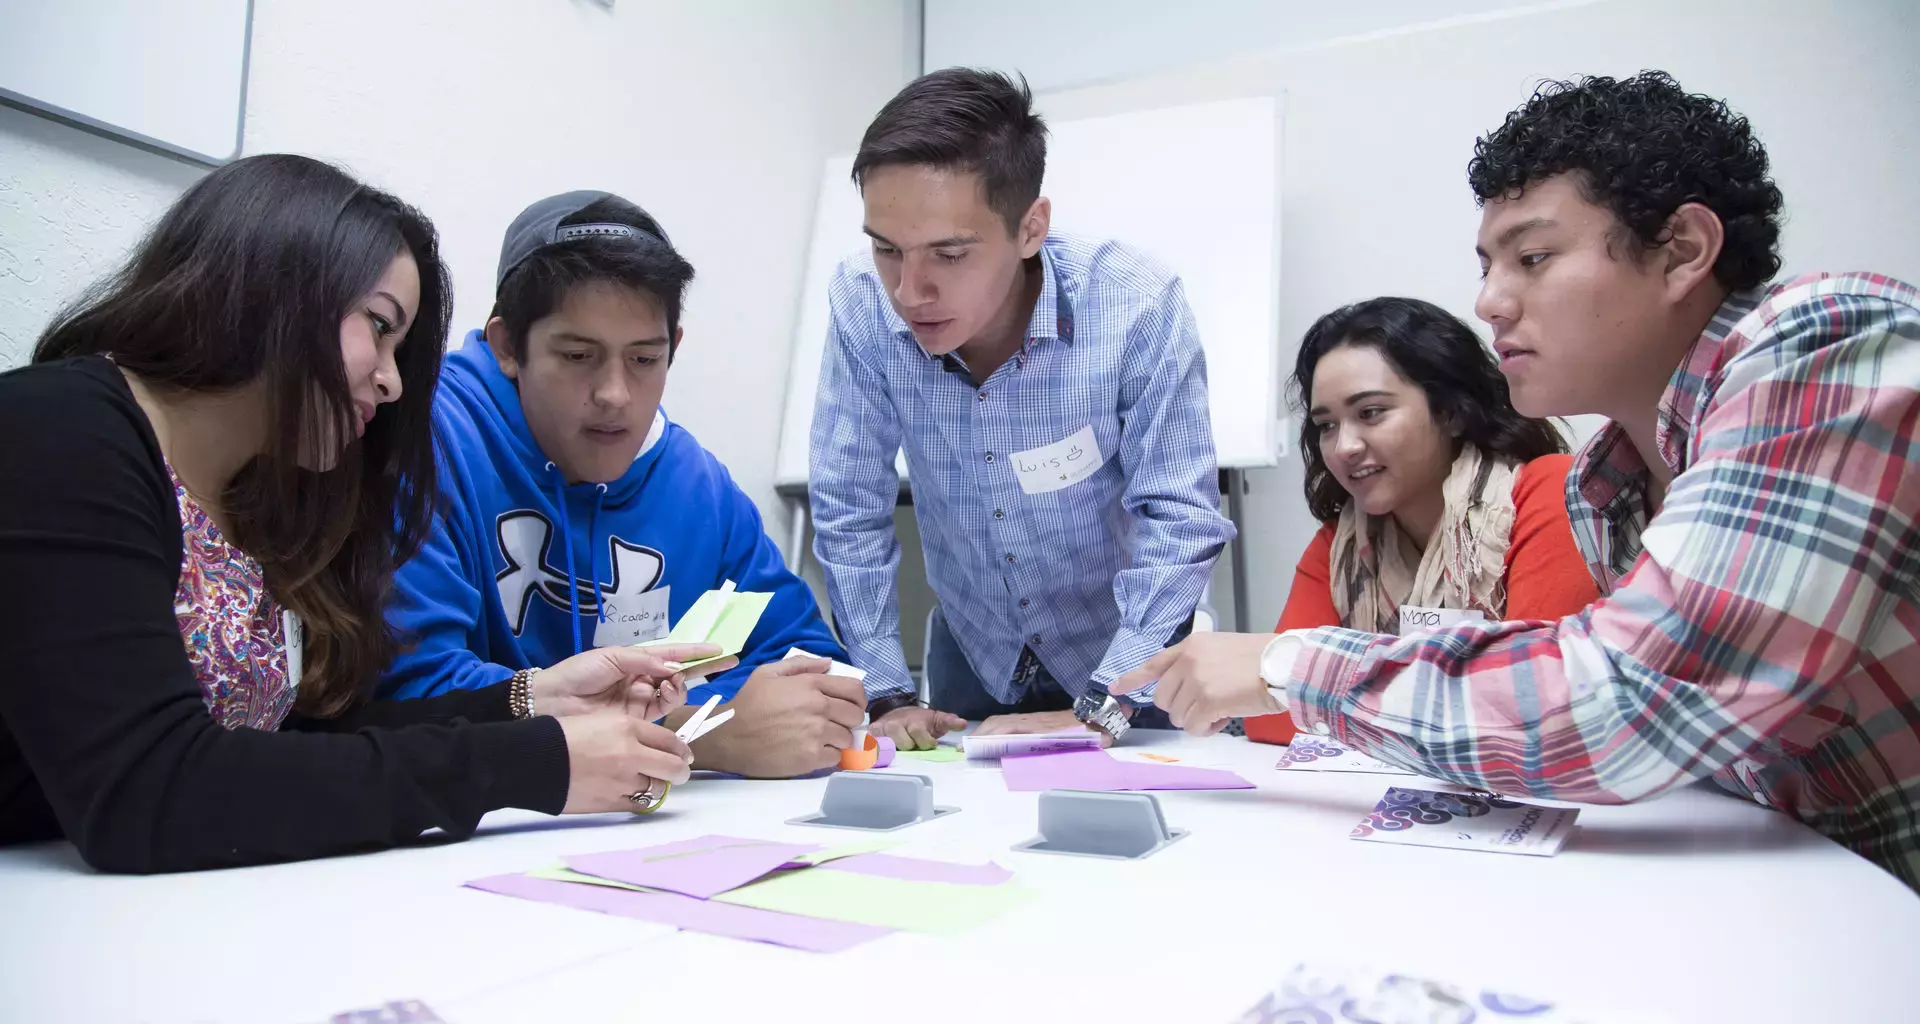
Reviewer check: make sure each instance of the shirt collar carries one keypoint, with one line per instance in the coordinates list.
(1611, 462)
(654, 433)
(1052, 311)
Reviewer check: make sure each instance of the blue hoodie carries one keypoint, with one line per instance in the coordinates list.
(495, 589)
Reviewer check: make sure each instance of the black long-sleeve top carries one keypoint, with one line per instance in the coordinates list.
(104, 735)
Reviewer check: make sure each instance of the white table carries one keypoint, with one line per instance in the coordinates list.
(1695, 908)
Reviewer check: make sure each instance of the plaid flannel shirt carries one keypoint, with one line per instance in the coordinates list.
(1763, 628)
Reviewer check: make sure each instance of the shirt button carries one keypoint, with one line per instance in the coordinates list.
(1321, 728)
(983, 396)
(1025, 602)
(989, 456)
(1009, 558)
(1034, 639)
(999, 514)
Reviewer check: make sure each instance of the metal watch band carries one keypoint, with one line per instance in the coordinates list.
(1099, 708)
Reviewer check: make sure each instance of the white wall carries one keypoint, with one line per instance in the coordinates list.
(71, 205)
(717, 117)
(1112, 40)
(1379, 130)
(714, 116)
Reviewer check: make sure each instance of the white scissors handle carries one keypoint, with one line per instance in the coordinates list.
(712, 723)
(692, 727)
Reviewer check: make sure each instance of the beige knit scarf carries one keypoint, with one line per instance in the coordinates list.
(1463, 566)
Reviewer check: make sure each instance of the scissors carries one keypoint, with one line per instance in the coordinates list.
(645, 802)
(699, 725)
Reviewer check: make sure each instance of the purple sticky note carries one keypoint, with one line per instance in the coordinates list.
(884, 865)
(1179, 776)
(703, 867)
(1097, 770)
(810, 933)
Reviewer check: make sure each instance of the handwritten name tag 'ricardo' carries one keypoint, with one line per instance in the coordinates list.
(635, 619)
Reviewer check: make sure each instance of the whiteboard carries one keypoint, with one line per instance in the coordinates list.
(169, 74)
(1196, 186)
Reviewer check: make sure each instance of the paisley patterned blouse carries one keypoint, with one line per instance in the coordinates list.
(233, 629)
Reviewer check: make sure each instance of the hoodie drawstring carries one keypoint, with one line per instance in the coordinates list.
(566, 541)
(593, 549)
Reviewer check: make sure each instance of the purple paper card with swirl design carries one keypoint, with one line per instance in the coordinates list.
(1462, 821)
(1339, 994)
(1318, 754)
(400, 1011)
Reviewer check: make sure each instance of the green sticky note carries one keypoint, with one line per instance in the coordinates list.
(936, 754)
(723, 618)
(736, 621)
(697, 623)
(853, 849)
(936, 907)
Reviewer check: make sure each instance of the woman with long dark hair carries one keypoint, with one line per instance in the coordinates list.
(1434, 492)
(207, 478)
(1437, 499)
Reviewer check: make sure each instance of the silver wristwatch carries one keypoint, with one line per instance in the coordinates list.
(1102, 711)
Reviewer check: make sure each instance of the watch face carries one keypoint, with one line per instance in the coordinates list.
(1101, 711)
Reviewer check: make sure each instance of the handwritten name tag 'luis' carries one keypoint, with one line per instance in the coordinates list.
(1059, 465)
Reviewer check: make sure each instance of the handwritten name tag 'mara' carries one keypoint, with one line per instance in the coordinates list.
(1415, 619)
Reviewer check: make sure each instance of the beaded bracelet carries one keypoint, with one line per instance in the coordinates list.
(520, 693)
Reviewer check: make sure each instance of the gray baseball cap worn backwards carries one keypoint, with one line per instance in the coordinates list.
(540, 225)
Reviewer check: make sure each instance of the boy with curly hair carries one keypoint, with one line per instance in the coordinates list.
(1748, 513)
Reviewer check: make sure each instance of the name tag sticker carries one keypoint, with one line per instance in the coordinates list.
(1059, 465)
(632, 619)
(1415, 619)
(296, 636)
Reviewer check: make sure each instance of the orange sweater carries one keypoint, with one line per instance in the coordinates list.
(1546, 577)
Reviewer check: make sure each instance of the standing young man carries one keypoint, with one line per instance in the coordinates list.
(1749, 512)
(574, 514)
(1050, 394)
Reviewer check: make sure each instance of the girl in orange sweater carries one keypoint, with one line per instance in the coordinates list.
(1435, 493)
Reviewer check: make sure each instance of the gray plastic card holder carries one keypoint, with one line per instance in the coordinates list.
(875, 802)
(1118, 826)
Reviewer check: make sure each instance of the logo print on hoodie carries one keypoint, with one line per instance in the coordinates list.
(525, 537)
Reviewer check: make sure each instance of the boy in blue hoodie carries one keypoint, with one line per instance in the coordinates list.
(574, 514)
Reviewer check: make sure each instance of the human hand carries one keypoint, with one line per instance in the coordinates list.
(1207, 679)
(612, 755)
(790, 718)
(1037, 722)
(647, 681)
(916, 728)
